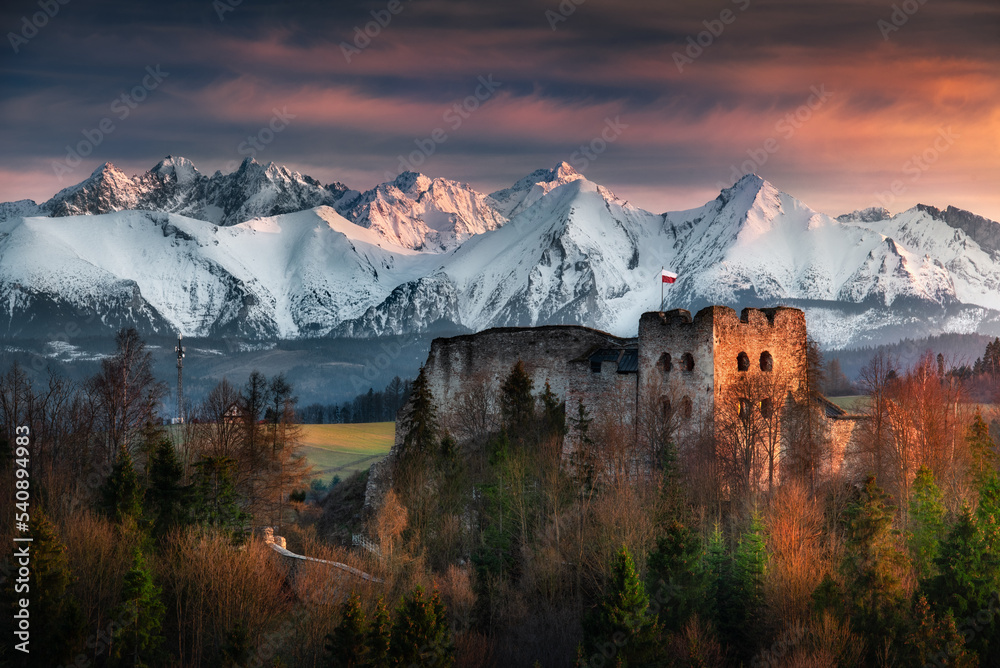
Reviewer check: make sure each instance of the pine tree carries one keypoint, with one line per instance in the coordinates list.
(137, 638)
(420, 427)
(57, 632)
(926, 522)
(215, 502)
(931, 640)
(517, 403)
(968, 575)
(553, 413)
(420, 633)
(736, 590)
(677, 568)
(624, 619)
(870, 568)
(982, 448)
(121, 494)
(582, 458)
(167, 500)
(348, 644)
(379, 630)
(720, 568)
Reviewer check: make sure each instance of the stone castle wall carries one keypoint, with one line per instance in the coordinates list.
(685, 363)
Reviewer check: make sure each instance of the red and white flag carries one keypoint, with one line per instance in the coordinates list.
(669, 276)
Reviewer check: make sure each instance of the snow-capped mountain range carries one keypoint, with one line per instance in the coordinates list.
(265, 252)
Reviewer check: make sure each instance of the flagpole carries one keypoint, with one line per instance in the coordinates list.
(661, 286)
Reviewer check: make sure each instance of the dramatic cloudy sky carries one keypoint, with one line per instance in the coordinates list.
(880, 96)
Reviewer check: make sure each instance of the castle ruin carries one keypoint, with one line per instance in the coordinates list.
(715, 370)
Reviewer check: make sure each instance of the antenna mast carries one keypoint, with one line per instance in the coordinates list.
(179, 349)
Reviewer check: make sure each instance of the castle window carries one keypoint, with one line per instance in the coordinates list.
(745, 408)
(766, 361)
(686, 408)
(687, 361)
(765, 408)
(665, 363)
(742, 362)
(665, 408)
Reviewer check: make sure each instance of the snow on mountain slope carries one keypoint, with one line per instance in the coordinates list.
(418, 212)
(572, 256)
(528, 190)
(757, 243)
(174, 185)
(973, 272)
(410, 254)
(287, 276)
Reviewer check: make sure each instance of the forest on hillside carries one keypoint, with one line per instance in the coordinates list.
(533, 533)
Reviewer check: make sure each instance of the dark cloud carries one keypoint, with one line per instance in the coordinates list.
(891, 91)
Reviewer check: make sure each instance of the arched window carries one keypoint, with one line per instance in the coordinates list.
(687, 362)
(745, 408)
(742, 362)
(665, 363)
(766, 361)
(686, 408)
(765, 408)
(665, 408)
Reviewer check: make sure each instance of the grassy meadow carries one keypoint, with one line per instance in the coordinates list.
(342, 449)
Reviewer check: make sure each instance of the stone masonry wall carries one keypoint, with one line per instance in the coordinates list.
(713, 339)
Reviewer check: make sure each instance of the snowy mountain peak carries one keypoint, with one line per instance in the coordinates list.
(181, 170)
(417, 212)
(872, 214)
(529, 189)
(412, 182)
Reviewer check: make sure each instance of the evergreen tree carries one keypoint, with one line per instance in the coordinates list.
(166, 499)
(348, 644)
(624, 619)
(379, 630)
(137, 638)
(719, 567)
(933, 641)
(57, 632)
(982, 448)
(517, 403)
(121, 494)
(677, 567)
(926, 522)
(968, 575)
(553, 413)
(420, 427)
(582, 458)
(870, 568)
(420, 633)
(236, 649)
(215, 502)
(737, 587)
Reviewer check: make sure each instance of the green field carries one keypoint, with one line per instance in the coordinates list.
(852, 404)
(342, 449)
